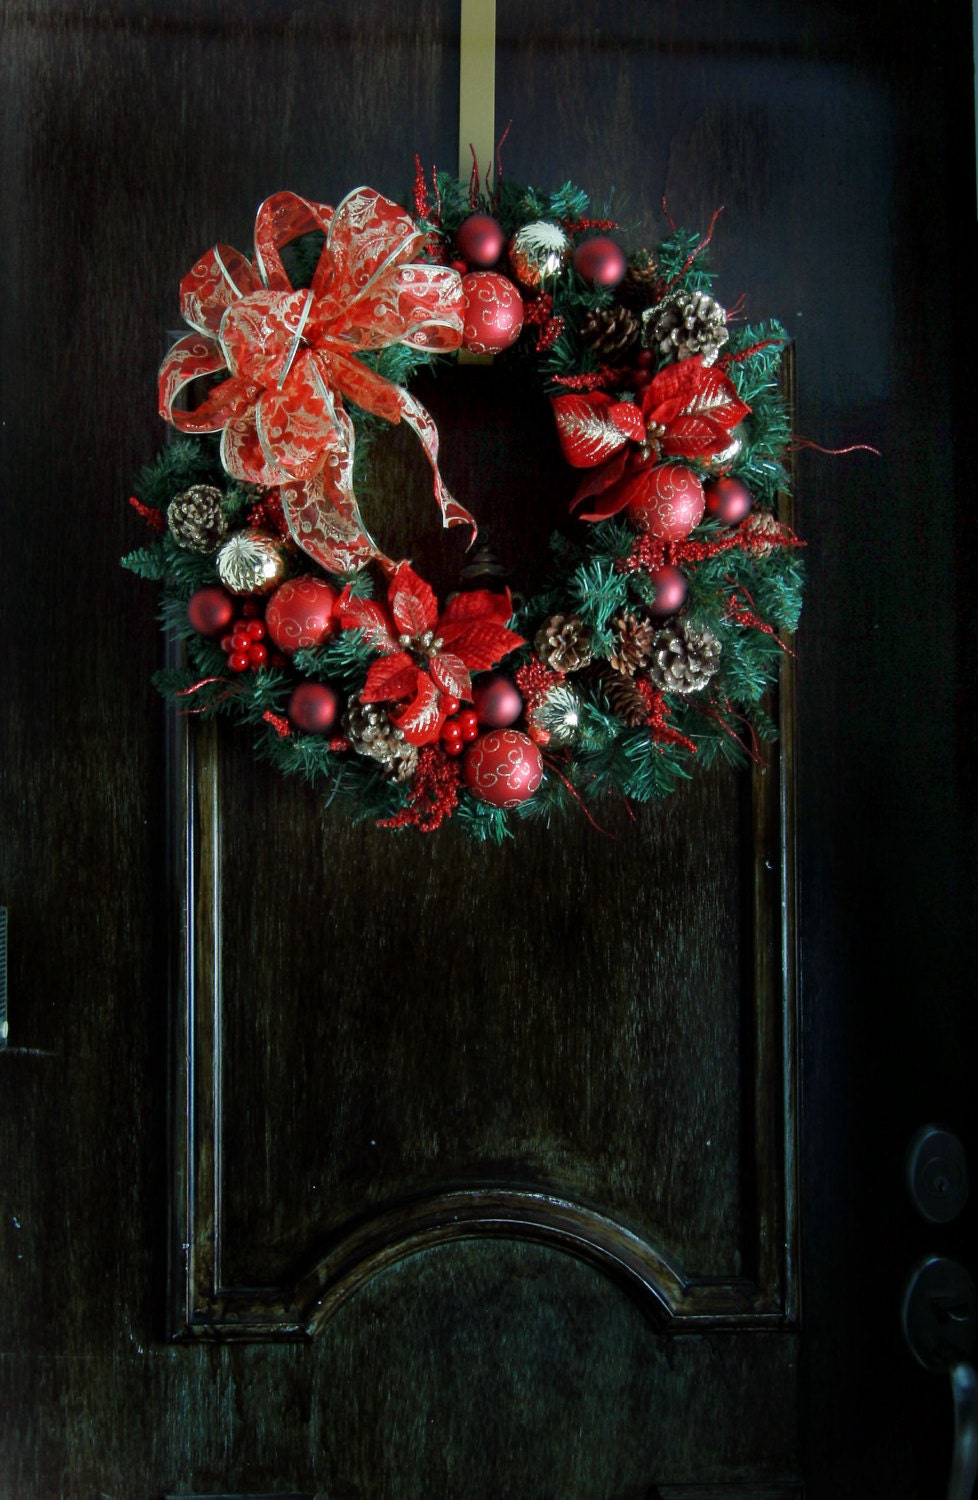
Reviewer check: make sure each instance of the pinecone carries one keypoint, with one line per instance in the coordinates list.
(686, 323)
(633, 643)
(196, 519)
(610, 332)
(624, 698)
(683, 660)
(637, 289)
(370, 732)
(563, 643)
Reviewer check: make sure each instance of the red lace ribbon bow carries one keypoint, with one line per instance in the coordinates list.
(290, 357)
(688, 411)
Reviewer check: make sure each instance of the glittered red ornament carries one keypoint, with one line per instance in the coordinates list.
(670, 503)
(671, 588)
(503, 768)
(493, 313)
(480, 240)
(313, 707)
(729, 500)
(498, 701)
(600, 261)
(300, 614)
(210, 611)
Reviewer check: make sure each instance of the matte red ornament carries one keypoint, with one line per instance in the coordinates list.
(600, 261)
(498, 701)
(671, 588)
(210, 611)
(313, 707)
(729, 500)
(480, 240)
(503, 768)
(493, 313)
(300, 614)
(669, 503)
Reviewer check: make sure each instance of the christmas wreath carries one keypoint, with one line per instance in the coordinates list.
(659, 630)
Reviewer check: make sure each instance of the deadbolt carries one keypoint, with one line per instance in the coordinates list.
(937, 1174)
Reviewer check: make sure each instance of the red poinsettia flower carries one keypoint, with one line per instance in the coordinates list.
(688, 411)
(426, 657)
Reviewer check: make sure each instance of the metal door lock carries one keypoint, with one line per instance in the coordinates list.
(937, 1174)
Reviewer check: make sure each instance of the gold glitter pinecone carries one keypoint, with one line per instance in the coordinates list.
(371, 733)
(610, 332)
(196, 520)
(686, 323)
(633, 643)
(683, 659)
(563, 643)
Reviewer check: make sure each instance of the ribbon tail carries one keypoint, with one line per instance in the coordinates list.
(416, 416)
(323, 515)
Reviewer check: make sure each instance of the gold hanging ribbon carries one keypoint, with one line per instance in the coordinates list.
(477, 86)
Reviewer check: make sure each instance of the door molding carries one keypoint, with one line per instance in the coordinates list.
(763, 1294)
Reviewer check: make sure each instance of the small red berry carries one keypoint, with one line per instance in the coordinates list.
(256, 629)
(240, 639)
(227, 643)
(238, 661)
(449, 704)
(454, 746)
(468, 722)
(258, 654)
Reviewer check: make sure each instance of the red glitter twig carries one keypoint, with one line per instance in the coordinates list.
(421, 204)
(593, 380)
(581, 226)
(280, 724)
(535, 681)
(798, 443)
(657, 721)
(749, 617)
(155, 519)
(551, 763)
(734, 359)
(697, 250)
(434, 792)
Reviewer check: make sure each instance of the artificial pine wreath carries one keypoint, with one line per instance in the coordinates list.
(654, 641)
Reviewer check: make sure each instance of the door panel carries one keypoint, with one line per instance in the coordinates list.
(419, 995)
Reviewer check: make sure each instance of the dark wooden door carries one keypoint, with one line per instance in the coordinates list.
(572, 1169)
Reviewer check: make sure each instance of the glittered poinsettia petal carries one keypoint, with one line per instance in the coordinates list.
(390, 679)
(451, 675)
(421, 720)
(412, 602)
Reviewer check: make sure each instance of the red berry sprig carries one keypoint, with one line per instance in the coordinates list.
(459, 731)
(245, 645)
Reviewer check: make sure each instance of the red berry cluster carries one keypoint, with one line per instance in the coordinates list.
(245, 645)
(460, 729)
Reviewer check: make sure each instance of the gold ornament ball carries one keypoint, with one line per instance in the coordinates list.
(537, 253)
(251, 562)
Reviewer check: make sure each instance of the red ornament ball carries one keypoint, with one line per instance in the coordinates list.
(480, 240)
(498, 701)
(313, 707)
(503, 768)
(493, 313)
(671, 588)
(210, 611)
(600, 261)
(729, 500)
(300, 614)
(669, 504)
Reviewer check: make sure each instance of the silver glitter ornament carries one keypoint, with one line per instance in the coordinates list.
(251, 562)
(537, 253)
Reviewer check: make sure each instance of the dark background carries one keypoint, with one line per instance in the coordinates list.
(841, 141)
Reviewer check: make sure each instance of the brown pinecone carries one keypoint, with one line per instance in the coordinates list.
(196, 519)
(633, 643)
(637, 288)
(610, 332)
(370, 732)
(624, 698)
(686, 323)
(563, 643)
(683, 660)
